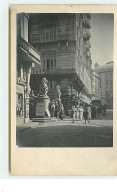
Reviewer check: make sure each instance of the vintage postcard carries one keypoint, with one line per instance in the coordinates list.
(63, 90)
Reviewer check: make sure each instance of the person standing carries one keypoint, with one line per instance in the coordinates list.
(62, 112)
(73, 113)
(77, 112)
(81, 112)
(58, 111)
(52, 109)
(85, 115)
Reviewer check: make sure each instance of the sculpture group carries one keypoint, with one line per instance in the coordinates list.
(43, 100)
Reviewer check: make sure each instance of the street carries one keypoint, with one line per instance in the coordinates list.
(97, 133)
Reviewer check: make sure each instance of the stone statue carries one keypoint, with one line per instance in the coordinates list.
(58, 92)
(32, 94)
(44, 87)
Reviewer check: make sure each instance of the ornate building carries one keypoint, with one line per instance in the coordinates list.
(27, 56)
(63, 41)
(95, 83)
(105, 73)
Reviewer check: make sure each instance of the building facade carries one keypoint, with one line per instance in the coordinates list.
(63, 41)
(95, 85)
(27, 56)
(106, 83)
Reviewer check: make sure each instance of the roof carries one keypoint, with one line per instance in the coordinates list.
(104, 68)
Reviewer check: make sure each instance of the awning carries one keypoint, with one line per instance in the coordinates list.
(85, 99)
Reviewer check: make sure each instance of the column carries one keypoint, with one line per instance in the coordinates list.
(27, 94)
(28, 80)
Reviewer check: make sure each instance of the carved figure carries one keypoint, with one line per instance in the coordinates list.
(58, 92)
(44, 87)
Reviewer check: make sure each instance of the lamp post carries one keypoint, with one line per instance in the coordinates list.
(24, 103)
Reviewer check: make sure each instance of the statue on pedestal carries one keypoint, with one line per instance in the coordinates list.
(44, 87)
(42, 100)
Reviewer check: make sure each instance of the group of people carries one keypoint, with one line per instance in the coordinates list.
(57, 110)
(78, 113)
(88, 112)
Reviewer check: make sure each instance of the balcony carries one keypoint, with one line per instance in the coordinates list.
(59, 71)
(86, 23)
(26, 48)
(62, 37)
(88, 45)
(86, 35)
(88, 54)
(83, 76)
(36, 38)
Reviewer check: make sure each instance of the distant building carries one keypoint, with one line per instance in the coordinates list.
(106, 83)
(95, 85)
(27, 56)
(63, 41)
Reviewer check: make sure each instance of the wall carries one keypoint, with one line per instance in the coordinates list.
(107, 88)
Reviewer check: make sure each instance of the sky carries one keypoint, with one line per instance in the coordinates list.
(102, 29)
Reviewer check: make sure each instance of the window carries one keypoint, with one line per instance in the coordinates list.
(35, 29)
(35, 26)
(49, 62)
(59, 29)
(49, 33)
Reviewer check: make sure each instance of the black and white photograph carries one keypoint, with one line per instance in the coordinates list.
(64, 79)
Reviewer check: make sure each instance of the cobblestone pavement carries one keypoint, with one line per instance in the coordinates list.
(97, 133)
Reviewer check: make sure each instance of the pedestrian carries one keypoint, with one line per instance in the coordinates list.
(58, 112)
(73, 113)
(104, 109)
(62, 112)
(81, 112)
(77, 112)
(85, 115)
(52, 109)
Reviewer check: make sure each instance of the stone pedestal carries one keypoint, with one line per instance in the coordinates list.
(42, 109)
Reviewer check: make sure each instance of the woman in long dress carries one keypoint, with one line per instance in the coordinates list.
(73, 113)
(81, 112)
(77, 112)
